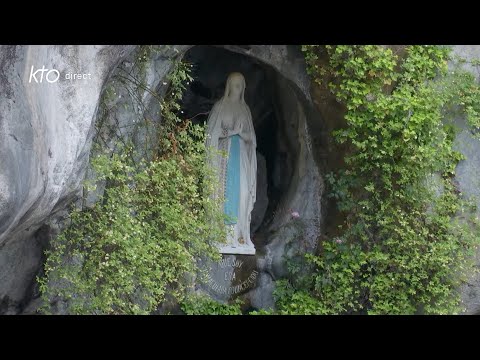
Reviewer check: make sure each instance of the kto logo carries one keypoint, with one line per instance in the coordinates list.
(51, 76)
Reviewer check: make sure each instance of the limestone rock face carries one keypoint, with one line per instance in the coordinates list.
(468, 177)
(45, 136)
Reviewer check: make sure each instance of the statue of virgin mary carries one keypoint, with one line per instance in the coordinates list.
(230, 130)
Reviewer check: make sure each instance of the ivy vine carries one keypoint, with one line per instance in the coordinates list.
(405, 246)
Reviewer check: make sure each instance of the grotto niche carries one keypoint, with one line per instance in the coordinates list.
(286, 215)
(211, 67)
(290, 133)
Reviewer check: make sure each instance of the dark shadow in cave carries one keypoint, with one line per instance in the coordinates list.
(211, 66)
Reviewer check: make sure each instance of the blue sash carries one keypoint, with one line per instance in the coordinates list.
(232, 187)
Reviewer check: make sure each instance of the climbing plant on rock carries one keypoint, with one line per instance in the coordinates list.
(408, 235)
(142, 239)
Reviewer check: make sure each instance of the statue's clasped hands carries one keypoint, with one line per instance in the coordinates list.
(237, 130)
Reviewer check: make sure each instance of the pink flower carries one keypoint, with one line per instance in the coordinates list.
(295, 214)
(339, 241)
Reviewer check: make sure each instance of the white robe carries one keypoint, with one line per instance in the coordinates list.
(223, 115)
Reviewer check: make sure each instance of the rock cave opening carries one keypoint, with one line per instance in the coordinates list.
(276, 147)
(113, 106)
